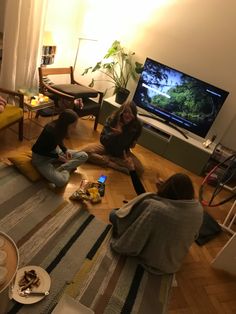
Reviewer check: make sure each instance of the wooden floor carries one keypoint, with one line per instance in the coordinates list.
(201, 289)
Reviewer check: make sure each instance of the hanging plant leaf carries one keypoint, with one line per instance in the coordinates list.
(97, 66)
(92, 83)
(86, 70)
(115, 47)
(138, 67)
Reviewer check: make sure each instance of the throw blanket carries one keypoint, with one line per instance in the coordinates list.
(159, 231)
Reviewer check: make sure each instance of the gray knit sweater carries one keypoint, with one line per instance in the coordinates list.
(158, 231)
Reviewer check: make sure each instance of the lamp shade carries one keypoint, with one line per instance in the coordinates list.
(48, 39)
(48, 50)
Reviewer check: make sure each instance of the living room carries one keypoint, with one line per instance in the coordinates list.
(191, 36)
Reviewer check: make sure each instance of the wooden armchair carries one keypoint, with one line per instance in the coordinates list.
(71, 91)
(13, 112)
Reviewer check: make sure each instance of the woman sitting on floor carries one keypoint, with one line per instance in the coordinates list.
(158, 228)
(50, 150)
(120, 133)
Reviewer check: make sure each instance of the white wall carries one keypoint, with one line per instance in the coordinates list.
(196, 37)
(64, 20)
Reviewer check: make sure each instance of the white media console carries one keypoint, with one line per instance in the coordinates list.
(166, 141)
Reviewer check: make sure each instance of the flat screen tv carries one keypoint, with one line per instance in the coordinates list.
(177, 98)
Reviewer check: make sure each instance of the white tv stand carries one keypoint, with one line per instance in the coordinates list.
(166, 141)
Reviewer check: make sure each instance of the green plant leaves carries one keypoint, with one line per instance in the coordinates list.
(138, 67)
(119, 68)
(97, 66)
(86, 70)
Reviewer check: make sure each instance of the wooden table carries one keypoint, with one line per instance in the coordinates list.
(38, 106)
(33, 108)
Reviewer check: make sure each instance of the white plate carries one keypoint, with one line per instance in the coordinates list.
(45, 283)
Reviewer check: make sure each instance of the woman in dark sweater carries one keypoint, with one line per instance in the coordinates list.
(120, 134)
(50, 149)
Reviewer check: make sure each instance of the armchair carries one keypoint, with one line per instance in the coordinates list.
(13, 113)
(71, 91)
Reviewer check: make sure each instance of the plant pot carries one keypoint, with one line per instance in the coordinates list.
(121, 94)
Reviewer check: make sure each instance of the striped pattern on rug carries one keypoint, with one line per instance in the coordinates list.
(49, 232)
(109, 283)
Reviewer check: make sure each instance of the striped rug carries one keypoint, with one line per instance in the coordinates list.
(49, 232)
(108, 283)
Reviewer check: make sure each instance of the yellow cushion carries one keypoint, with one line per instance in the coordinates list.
(10, 115)
(22, 161)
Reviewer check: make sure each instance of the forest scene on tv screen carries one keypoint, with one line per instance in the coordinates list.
(179, 97)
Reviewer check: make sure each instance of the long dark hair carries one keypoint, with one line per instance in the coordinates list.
(177, 187)
(67, 117)
(115, 117)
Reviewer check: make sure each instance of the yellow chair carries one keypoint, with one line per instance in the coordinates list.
(13, 112)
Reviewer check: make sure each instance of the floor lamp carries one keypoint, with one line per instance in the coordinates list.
(80, 39)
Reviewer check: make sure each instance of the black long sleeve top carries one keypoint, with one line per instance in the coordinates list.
(47, 142)
(138, 186)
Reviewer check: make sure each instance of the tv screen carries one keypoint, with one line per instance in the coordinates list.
(178, 98)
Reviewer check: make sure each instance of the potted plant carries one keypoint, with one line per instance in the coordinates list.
(119, 66)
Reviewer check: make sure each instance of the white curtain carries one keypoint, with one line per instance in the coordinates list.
(23, 29)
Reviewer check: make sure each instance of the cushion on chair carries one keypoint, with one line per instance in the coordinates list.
(10, 115)
(90, 107)
(76, 90)
(22, 161)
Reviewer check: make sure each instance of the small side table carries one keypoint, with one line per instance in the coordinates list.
(33, 108)
(39, 105)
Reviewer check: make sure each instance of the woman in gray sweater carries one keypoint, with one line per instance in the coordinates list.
(158, 228)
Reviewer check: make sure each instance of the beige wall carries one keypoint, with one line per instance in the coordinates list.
(196, 37)
(63, 22)
(2, 9)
